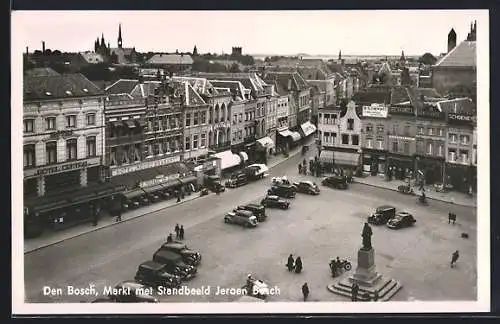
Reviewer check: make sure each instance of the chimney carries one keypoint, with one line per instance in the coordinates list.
(27, 51)
(43, 46)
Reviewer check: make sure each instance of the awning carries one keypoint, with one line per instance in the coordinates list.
(295, 136)
(129, 123)
(326, 157)
(346, 158)
(228, 159)
(132, 179)
(134, 193)
(243, 156)
(154, 188)
(266, 142)
(285, 133)
(307, 128)
(288, 133)
(187, 180)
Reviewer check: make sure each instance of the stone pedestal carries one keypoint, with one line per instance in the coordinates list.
(368, 280)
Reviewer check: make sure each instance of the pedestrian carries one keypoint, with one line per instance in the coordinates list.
(169, 238)
(178, 196)
(333, 266)
(298, 265)
(177, 231)
(454, 258)
(181, 232)
(452, 218)
(354, 292)
(300, 168)
(290, 263)
(305, 291)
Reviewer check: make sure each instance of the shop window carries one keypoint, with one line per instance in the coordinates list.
(195, 142)
(355, 139)
(406, 147)
(345, 139)
(50, 123)
(188, 143)
(30, 188)
(62, 181)
(188, 119)
(29, 156)
(93, 174)
(90, 119)
(350, 124)
(71, 121)
(29, 125)
(91, 146)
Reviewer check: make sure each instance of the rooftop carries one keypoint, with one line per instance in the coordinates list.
(58, 86)
(171, 59)
(463, 55)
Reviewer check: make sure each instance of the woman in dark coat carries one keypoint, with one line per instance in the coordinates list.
(298, 265)
(290, 263)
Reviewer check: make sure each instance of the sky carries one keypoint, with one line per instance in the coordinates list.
(257, 32)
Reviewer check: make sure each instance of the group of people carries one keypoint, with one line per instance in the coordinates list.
(294, 265)
(179, 233)
(336, 265)
(366, 295)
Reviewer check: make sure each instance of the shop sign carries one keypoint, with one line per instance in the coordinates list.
(159, 180)
(144, 165)
(63, 167)
(404, 110)
(375, 110)
(461, 117)
(220, 125)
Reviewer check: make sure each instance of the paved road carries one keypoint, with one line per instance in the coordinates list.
(316, 228)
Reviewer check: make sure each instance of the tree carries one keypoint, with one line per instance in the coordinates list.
(427, 59)
(234, 68)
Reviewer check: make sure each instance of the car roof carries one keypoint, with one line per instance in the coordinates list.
(272, 197)
(308, 182)
(384, 207)
(176, 245)
(244, 212)
(168, 254)
(252, 205)
(403, 213)
(151, 265)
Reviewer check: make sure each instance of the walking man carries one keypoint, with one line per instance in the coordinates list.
(452, 218)
(305, 291)
(177, 231)
(181, 232)
(354, 292)
(290, 264)
(454, 258)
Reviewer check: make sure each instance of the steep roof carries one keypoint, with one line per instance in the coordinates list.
(200, 85)
(91, 57)
(235, 86)
(45, 71)
(250, 80)
(122, 86)
(462, 55)
(171, 59)
(292, 80)
(59, 86)
(370, 97)
(457, 106)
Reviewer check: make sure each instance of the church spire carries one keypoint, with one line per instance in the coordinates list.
(340, 55)
(402, 58)
(120, 35)
(102, 40)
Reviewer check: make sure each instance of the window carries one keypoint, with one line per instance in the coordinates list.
(429, 148)
(235, 119)
(406, 149)
(71, 149)
(188, 119)
(464, 156)
(29, 125)
(452, 138)
(71, 121)
(240, 134)
(464, 139)
(440, 150)
(91, 146)
(90, 119)
(29, 156)
(420, 130)
(51, 150)
(345, 139)
(439, 132)
(420, 147)
(241, 117)
(203, 140)
(380, 144)
(326, 136)
(350, 124)
(195, 118)
(395, 129)
(203, 117)
(369, 143)
(195, 141)
(246, 116)
(188, 142)
(431, 131)
(380, 129)
(369, 128)
(50, 123)
(355, 139)
(394, 146)
(407, 130)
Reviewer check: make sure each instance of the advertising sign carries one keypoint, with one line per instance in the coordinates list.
(461, 117)
(144, 165)
(375, 110)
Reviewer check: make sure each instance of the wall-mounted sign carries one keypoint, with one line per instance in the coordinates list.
(377, 111)
(62, 167)
(61, 133)
(430, 114)
(403, 110)
(144, 165)
(461, 117)
(159, 180)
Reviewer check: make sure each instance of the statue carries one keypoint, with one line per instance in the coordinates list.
(367, 237)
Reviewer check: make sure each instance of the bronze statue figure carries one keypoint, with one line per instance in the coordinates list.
(367, 237)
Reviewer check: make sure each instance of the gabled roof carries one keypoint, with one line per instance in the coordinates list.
(45, 71)
(235, 86)
(145, 89)
(463, 55)
(59, 86)
(122, 86)
(191, 97)
(171, 59)
(457, 106)
(200, 85)
(292, 80)
(250, 80)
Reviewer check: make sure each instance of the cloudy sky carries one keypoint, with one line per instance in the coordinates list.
(258, 32)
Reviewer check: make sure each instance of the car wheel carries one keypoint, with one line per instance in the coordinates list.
(226, 220)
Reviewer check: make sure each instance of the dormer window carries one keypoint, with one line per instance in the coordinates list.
(86, 90)
(68, 92)
(48, 93)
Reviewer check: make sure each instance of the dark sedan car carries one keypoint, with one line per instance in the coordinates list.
(382, 215)
(284, 191)
(275, 202)
(189, 256)
(335, 181)
(401, 220)
(259, 211)
(307, 187)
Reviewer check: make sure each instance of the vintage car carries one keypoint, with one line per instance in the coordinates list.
(273, 201)
(401, 220)
(154, 274)
(307, 187)
(335, 181)
(257, 171)
(237, 180)
(241, 217)
(214, 183)
(259, 211)
(189, 256)
(256, 288)
(131, 292)
(382, 215)
(284, 191)
(174, 264)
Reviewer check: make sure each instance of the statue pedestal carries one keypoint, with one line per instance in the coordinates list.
(368, 280)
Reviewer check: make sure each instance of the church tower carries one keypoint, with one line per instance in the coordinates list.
(195, 51)
(452, 40)
(120, 36)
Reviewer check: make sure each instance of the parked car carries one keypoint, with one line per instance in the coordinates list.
(382, 215)
(214, 184)
(257, 210)
(174, 264)
(155, 274)
(256, 171)
(402, 219)
(189, 256)
(273, 201)
(307, 187)
(154, 197)
(335, 181)
(236, 180)
(131, 292)
(284, 191)
(241, 217)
